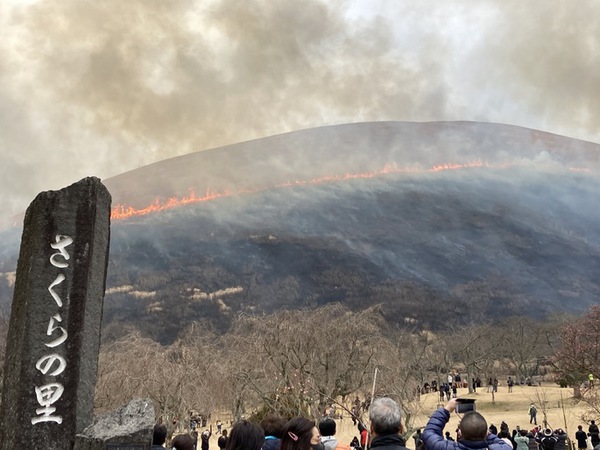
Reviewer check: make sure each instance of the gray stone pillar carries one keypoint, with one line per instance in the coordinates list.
(54, 332)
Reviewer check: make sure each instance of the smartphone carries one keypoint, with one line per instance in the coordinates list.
(464, 405)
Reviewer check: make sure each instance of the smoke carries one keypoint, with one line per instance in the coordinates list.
(99, 88)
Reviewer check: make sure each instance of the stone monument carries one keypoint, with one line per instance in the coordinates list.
(127, 428)
(54, 332)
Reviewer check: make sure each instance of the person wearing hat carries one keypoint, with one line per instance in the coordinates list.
(548, 440)
(473, 432)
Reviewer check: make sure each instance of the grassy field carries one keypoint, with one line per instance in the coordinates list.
(562, 411)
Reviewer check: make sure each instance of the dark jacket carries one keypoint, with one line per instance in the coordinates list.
(388, 442)
(271, 443)
(433, 436)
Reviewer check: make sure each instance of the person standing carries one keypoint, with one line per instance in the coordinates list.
(327, 428)
(472, 432)
(521, 440)
(159, 436)
(222, 441)
(300, 434)
(593, 433)
(245, 436)
(532, 414)
(273, 426)
(386, 424)
(205, 437)
(581, 438)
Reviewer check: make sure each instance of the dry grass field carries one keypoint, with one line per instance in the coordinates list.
(562, 411)
(510, 407)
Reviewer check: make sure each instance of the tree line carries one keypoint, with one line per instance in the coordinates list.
(303, 361)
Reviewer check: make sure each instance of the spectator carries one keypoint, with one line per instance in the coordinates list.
(159, 436)
(472, 432)
(222, 441)
(386, 424)
(548, 440)
(300, 434)
(521, 440)
(245, 436)
(183, 442)
(593, 433)
(561, 440)
(364, 435)
(327, 428)
(532, 441)
(205, 437)
(273, 427)
(418, 437)
(581, 438)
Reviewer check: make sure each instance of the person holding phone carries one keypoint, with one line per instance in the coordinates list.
(472, 432)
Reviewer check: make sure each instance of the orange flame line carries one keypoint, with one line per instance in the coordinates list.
(120, 212)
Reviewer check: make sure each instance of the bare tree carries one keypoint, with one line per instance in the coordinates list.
(475, 347)
(524, 345)
(305, 360)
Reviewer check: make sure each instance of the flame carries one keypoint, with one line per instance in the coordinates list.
(120, 212)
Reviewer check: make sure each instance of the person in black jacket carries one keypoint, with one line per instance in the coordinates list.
(386, 424)
(593, 433)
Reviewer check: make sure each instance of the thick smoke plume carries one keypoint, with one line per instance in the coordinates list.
(98, 88)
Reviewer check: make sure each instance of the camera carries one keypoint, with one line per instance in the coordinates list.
(464, 405)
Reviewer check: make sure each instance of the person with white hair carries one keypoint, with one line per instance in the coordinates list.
(386, 424)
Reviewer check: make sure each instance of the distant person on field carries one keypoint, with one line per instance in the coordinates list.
(591, 379)
(510, 383)
(245, 436)
(472, 432)
(386, 424)
(327, 428)
(159, 436)
(532, 414)
(273, 426)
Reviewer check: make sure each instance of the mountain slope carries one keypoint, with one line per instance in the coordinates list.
(438, 223)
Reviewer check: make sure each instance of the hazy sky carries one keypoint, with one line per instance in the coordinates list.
(102, 87)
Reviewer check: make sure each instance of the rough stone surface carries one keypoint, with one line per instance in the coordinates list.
(129, 427)
(54, 331)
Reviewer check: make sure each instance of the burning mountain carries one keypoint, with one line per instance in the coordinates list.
(436, 222)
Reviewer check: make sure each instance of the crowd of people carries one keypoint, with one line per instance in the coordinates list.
(384, 433)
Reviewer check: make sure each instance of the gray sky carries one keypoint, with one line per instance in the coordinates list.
(102, 87)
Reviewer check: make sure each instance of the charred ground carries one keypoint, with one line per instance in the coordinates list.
(432, 249)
